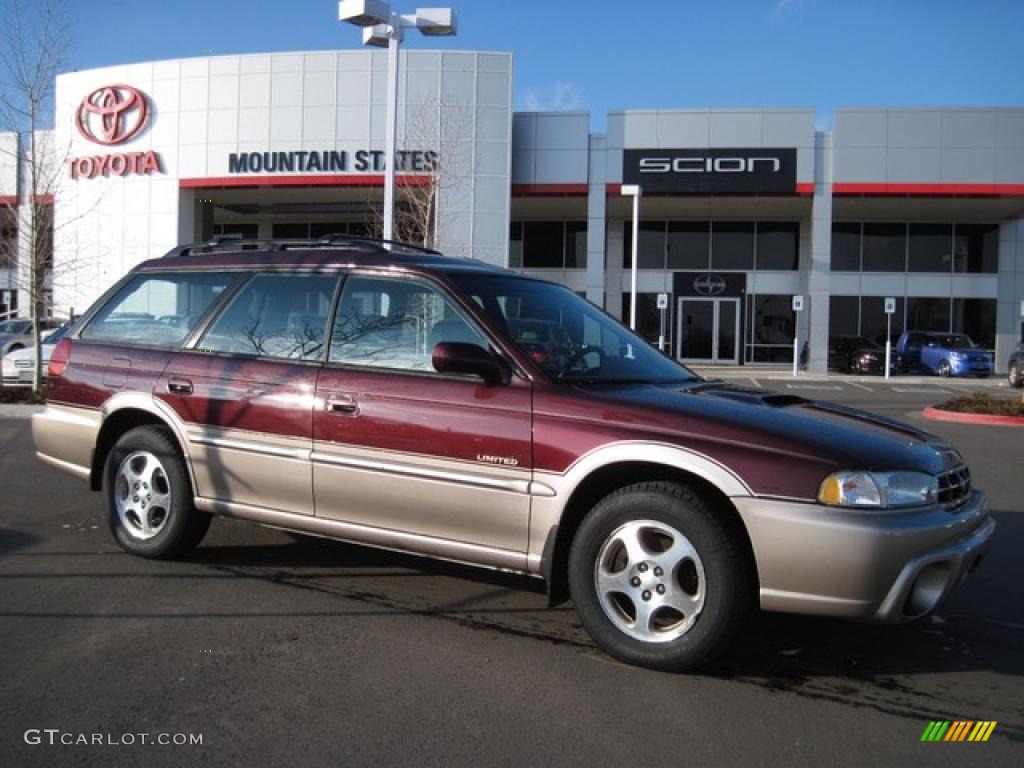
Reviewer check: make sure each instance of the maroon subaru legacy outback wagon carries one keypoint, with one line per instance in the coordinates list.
(391, 397)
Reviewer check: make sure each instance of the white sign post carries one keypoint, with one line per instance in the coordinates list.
(798, 307)
(662, 307)
(890, 309)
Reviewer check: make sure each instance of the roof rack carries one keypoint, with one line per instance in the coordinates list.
(343, 239)
(236, 242)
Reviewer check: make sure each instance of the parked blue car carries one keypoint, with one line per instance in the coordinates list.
(947, 354)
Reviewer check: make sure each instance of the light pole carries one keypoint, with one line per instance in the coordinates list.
(382, 27)
(634, 191)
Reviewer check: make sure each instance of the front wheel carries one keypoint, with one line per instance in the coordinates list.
(149, 496)
(1013, 378)
(943, 369)
(658, 579)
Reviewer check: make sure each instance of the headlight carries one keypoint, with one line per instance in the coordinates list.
(954, 355)
(878, 490)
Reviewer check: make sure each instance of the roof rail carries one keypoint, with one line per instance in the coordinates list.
(342, 239)
(237, 242)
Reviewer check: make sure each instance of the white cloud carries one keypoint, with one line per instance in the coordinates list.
(555, 97)
(783, 7)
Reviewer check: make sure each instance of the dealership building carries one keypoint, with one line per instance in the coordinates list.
(740, 210)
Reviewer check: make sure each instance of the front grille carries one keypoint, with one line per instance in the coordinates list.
(24, 363)
(955, 486)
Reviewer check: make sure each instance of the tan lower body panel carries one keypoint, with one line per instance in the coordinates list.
(65, 437)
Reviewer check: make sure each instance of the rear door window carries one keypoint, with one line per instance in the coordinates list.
(157, 310)
(276, 316)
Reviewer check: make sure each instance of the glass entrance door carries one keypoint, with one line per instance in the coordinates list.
(708, 330)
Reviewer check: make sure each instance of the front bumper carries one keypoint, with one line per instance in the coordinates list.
(972, 367)
(890, 567)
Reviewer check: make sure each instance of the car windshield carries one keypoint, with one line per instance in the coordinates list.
(955, 341)
(15, 326)
(568, 338)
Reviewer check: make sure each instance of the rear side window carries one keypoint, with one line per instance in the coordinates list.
(280, 316)
(157, 310)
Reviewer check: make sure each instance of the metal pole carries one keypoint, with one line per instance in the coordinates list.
(796, 341)
(391, 129)
(888, 342)
(661, 335)
(636, 258)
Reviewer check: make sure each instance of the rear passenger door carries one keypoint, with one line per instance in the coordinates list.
(245, 392)
(402, 449)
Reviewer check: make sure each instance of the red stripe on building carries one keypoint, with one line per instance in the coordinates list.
(46, 199)
(940, 190)
(549, 190)
(805, 188)
(8, 199)
(318, 180)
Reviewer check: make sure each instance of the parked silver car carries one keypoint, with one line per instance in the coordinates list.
(17, 334)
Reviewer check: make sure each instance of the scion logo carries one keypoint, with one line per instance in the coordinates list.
(112, 114)
(709, 164)
(718, 171)
(709, 284)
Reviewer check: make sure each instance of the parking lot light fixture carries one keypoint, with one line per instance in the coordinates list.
(382, 27)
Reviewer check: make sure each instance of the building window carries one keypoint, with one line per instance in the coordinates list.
(549, 244)
(885, 248)
(845, 247)
(648, 317)
(873, 321)
(650, 242)
(778, 245)
(689, 245)
(515, 245)
(843, 316)
(931, 248)
(732, 245)
(8, 239)
(925, 313)
(771, 329)
(575, 245)
(976, 318)
(976, 248)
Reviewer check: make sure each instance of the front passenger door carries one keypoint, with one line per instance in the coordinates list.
(399, 448)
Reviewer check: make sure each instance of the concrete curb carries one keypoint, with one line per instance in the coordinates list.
(19, 410)
(973, 418)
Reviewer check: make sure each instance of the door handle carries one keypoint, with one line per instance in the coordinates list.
(179, 386)
(342, 404)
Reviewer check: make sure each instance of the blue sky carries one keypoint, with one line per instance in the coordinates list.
(603, 55)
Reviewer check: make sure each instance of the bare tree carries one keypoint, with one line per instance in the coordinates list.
(440, 137)
(34, 39)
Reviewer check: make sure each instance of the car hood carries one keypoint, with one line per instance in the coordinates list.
(760, 421)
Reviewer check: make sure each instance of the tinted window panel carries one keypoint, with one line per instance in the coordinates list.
(515, 245)
(689, 245)
(288, 230)
(845, 247)
(575, 244)
(976, 318)
(651, 245)
(873, 320)
(931, 247)
(777, 245)
(885, 248)
(977, 248)
(386, 323)
(843, 316)
(927, 314)
(279, 316)
(732, 245)
(543, 244)
(773, 319)
(157, 310)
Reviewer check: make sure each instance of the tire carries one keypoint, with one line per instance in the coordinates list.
(1013, 378)
(149, 496)
(943, 369)
(684, 556)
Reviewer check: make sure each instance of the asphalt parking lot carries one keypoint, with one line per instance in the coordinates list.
(306, 652)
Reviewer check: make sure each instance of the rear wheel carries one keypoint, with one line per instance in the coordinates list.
(1013, 378)
(943, 368)
(658, 580)
(149, 496)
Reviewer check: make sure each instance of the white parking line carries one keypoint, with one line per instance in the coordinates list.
(859, 386)
(752, 379)
(922, 391)
(834, 387)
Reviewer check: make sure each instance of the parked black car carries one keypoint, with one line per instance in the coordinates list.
(1015, 374)
(856, 354)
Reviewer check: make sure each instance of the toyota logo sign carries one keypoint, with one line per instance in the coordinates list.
(112, 114)
(709, 284)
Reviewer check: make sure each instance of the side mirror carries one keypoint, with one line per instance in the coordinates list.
(461, 357)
